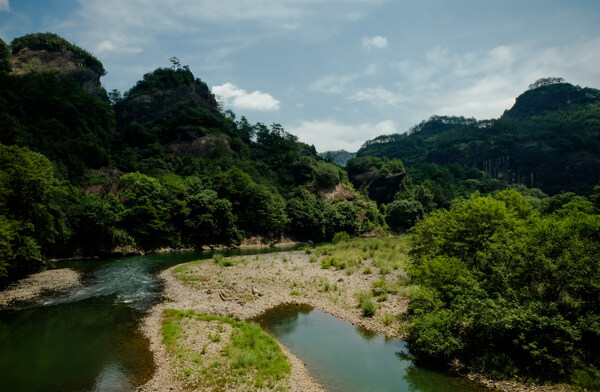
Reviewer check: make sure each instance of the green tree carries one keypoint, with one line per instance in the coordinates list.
(327, 175)
(31, 220)
(505, 290)
(209, 220)
(401, 215)
(5, 62)
(149, 210)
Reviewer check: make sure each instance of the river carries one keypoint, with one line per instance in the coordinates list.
(88, 339)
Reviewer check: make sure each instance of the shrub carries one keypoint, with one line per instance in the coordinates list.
(340, 236)
(367, 305)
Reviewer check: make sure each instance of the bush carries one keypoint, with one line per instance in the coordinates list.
(401, 215)
(327, 175)
(340, 236)
(367, 305)
(505, 291)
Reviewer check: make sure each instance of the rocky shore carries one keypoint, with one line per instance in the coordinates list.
(252, 285)
(37, 284)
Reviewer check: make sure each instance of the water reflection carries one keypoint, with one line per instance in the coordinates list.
(346, 358)
(113, 377)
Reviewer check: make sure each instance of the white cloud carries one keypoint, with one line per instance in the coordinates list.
(109, 46)
(331, 135)
(377, 96)
(377, 42)
(4, 6)
(238, 98)
(483, 84)
(333, 84)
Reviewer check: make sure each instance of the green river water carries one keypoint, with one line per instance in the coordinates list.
(87, 338)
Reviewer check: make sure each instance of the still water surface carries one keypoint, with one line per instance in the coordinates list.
(346, 358)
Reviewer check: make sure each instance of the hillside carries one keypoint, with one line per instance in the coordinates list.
(85, 173)
(549, 139)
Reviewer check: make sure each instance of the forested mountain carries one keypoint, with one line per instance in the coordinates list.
(549, 139)
(339, 157)
(83, 172)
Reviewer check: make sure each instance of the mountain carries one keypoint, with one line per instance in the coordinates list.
(339, 157)
(85, 173)
(549, 139)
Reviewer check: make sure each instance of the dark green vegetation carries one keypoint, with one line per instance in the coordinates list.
(248, 358)
(508, 290)
(87, 173)
(550, 139)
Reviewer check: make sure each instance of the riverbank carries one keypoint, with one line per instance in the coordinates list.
(246, 286)
(249, 286)
(40, 283)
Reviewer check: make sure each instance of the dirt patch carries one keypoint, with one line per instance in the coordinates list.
(338, 193)
(200, 147)
(110, 186)
(37, 284)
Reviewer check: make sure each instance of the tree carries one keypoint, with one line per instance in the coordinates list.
(149, 211)
(30, 220)
(327, 175)
(5, 62)
(115, 96)
(545, 82)
(401, 215)
(505, 291)
(209, 220)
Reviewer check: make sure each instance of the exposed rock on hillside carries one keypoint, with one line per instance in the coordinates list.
(65, 63)
(200, 147)
(110, 186)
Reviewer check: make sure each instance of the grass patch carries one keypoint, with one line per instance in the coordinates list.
(367, 305)
(223, 261)
(386, 253)
(589, 379)
(388, 319)
(248, 359)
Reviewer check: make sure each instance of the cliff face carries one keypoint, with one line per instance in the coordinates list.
(553, 170)
(65, 63)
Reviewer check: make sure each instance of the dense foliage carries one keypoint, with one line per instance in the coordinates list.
(58, 119)
(507, 291)
(5, 64)
(162, 79)
(163, 166)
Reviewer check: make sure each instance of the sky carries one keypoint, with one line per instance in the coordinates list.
(335, 73)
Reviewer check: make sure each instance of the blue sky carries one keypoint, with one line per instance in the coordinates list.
(334, 72)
